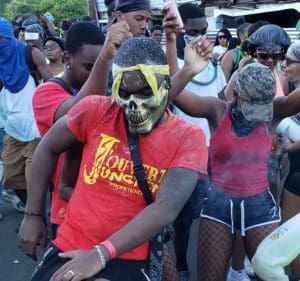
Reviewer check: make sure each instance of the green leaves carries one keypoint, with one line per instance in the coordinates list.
(60, 9)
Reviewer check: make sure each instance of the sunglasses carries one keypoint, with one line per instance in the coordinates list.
(50, 47)
(289, 61)
(273, 56)
(222, 37)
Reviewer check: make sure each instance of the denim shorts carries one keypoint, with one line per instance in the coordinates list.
(240, 212)
(115, 270)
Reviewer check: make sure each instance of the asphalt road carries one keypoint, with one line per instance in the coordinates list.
(14, 265)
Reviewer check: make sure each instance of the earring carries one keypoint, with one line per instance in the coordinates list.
(68, 66)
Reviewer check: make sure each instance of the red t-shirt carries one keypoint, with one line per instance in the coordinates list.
(46, 99)
(239, 165)
(106, 195)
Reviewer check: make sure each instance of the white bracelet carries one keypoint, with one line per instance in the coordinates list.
(101, 256)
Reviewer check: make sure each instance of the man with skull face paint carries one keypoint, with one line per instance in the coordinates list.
(112, 209)
(144, 110)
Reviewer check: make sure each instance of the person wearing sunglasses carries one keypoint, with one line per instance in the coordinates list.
(221, 42)
(268, 45)
(289, 128)
(54, 51)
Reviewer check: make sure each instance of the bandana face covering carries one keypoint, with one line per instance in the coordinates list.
(241, 126)
(143, 114)
(13, 68)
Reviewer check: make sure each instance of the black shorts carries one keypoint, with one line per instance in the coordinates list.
(115, 270)
(292, 183)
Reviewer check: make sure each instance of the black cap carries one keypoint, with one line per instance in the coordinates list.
(60, 41)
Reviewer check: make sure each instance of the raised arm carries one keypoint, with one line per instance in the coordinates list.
(48, 26)
(92, 10)
(98, 79)
(170, 29)
(41, 65)
(196, 56)
(117, 34)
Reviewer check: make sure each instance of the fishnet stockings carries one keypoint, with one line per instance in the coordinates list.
(214, 250)
(255, 236)
(170, 272)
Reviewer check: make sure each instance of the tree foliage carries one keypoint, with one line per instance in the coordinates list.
(3, 3)
(60, 9)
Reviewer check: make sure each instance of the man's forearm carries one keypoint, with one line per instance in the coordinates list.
(41, 171)
(142, 227)
(171, 52)
(170, 199)
(179, 81)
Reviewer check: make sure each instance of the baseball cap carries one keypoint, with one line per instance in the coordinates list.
(255, 86)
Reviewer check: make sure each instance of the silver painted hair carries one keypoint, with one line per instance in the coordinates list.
(295, 48)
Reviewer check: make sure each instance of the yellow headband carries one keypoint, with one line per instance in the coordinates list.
(148, 71)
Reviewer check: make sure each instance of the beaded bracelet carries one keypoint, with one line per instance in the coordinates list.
(111, 248)
(29, 213)
(101, 256)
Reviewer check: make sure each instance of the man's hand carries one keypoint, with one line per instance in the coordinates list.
(83, 264)
(171, 25)
(32, 233)
(198, 54)
(117, 34)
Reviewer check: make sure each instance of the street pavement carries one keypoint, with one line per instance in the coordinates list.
(14, 265)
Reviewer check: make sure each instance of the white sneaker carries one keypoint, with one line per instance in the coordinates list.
(237, 275)
(248, 267)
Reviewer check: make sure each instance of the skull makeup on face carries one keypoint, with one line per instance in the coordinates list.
(136, 90)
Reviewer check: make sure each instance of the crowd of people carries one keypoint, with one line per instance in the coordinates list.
(216, 126)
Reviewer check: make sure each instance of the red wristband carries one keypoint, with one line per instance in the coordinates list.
(111, 248)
